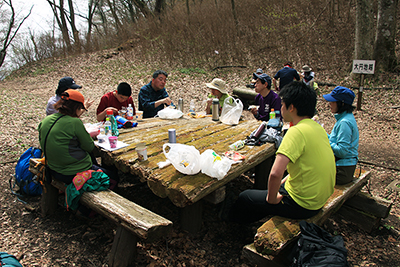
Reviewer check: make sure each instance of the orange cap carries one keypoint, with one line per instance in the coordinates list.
(75, 95)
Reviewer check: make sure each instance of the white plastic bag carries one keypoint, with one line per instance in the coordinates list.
(231, 111)
(185, 159)
(214, 165)
(170, 113)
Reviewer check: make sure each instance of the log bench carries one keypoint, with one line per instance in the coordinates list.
(133, 221)
(277, 235)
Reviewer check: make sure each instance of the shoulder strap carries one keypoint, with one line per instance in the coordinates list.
(45, 139)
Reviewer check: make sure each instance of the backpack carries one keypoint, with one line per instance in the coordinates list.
(316, 247)
(7, 260)
(27, 183)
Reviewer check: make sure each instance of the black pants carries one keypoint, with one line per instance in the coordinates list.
(252, 206)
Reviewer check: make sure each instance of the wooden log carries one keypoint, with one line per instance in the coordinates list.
(364, 221)
(49, 200)
(124, 249)
(372, 205)
(275, 234)
(245, 93)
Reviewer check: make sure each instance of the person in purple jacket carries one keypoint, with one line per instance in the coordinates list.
(286, 75)
(266, 98)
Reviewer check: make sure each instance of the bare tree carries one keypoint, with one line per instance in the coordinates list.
(10, 31)
(364, 39)
(385, 43)
(63, 19)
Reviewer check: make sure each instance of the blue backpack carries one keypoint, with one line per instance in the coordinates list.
(8, 260)
(27, 183)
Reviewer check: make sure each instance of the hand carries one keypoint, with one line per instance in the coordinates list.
(88, 103)
(209, 102)
(275, 201)
(111, 108)
(254, 111)
(167, 101)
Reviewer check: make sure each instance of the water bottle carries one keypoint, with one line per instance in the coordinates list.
(180, 104)
(272, 114)
(192, 106)
(259, 130)
(114, 126)
(129, 112)
(107, 127)
(215, 109)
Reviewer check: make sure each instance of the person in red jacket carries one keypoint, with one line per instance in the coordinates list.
(115, 101)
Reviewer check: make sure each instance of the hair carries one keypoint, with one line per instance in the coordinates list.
(124, 89)
(68, 107)
(289, 63)
(301, 96)
(344, 107)
(268, 81)
(158, 72)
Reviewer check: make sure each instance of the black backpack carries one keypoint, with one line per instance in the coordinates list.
(316, 247)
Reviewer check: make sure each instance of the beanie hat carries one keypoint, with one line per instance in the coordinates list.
(74, 95)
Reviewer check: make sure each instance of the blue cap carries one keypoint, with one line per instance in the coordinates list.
(263, 77)
(342, 94)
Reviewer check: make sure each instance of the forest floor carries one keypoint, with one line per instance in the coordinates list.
(67, 240)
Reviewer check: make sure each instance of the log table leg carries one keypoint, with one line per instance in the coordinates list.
(124, 248)
(191, 217)
(262, 171)
(49, 200)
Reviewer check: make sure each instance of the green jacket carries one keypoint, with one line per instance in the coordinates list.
(68, 144)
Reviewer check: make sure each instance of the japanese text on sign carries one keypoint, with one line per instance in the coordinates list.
(364, 66)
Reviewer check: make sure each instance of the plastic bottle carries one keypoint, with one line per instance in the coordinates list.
(114, 126)
(272, 114)
(192, 106)
(129, 112)
(107, 127)
(237, 145)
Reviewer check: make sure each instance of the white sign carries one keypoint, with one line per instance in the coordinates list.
(364, 66)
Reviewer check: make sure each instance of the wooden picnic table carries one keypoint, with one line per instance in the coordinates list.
(186, 191)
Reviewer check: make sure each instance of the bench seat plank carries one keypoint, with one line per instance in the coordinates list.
(278, 232)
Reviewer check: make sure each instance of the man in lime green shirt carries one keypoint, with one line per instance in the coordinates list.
(306, 154)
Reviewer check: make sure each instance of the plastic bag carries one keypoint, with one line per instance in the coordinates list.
(213, 165)
(93, 129)
(231, 111)
(170, 113)
(185, 159)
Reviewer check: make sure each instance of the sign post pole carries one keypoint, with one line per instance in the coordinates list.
(362, 67)
(360, 92)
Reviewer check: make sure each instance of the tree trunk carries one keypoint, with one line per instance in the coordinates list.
(159, 6)
(364, 35)
(385, 43)
(75, 32)
(61, 21)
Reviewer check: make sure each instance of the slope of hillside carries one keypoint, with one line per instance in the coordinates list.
(66, 240)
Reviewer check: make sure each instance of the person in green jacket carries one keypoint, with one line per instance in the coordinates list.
(68, 145)
(217, 87)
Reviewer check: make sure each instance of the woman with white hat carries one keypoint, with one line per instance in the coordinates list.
(217, 87)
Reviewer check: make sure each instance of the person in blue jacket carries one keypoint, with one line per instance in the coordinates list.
(153, 96)
(344, 136)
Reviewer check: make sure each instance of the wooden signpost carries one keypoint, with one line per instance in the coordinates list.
(362, 67)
